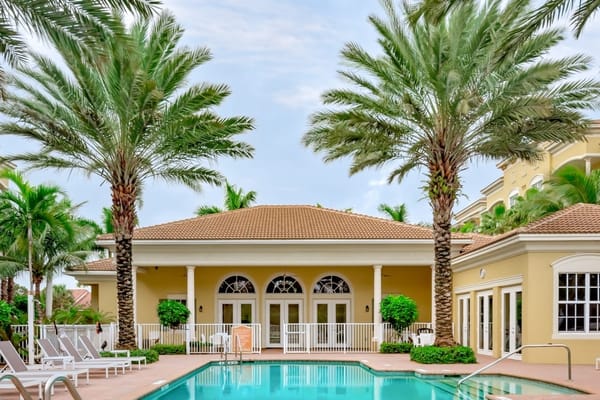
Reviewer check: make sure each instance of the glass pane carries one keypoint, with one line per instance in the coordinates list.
(275, 323)
(340, 313)
(518, 341)
(293, 314)
(322, 331)
(227, 310)
(246, 313)
(490, 324)
(507, 316)
(322, 313)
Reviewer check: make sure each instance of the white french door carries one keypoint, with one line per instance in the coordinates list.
(511, 320)
(280, 312)
(485, 322)
(335, 314)
(236, 311)
(464, 319)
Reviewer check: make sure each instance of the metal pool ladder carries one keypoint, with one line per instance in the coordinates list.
(525, 346)
(67, 382)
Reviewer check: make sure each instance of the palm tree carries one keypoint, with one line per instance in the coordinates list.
(234, 200)
(36, 216)
(396, 213)
(439, 95)
(546, 14)
(128, 118)
(67, 21)
(571, 185)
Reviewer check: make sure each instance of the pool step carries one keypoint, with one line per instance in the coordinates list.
(476, 388)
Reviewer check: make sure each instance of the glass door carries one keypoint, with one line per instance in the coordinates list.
(485, 312)
(464, 319)
(236, 312)
(511, 320)
(280, 312)
(331, 317)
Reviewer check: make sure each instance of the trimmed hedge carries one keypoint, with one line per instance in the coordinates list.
(169, 348)
(151, 355)
(390, 347)
(443, 355)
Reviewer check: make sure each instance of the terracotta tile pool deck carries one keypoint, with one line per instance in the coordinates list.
(136, 383)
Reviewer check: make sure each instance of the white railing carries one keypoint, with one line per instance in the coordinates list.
(346, 338)
(216, 338)
(202, 338)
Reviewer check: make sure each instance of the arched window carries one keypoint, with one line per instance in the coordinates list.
(236, 284)
(331, 284)
(284, 284)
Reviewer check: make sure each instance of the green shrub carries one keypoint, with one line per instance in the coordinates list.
(400, 311)
(150, 354)
(443, 355)
(387, 347)
(169, 348)
(172, 313)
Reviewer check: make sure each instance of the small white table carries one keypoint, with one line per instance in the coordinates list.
(64, 360)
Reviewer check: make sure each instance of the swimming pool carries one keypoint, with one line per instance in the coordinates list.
(333, 381)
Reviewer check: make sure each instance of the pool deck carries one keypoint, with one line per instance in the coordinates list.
(136, 383)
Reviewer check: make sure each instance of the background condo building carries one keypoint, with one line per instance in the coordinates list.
(518, 176)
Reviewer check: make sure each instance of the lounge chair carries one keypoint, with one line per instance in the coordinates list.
(69, 347)
(94, 355)
(22, 371)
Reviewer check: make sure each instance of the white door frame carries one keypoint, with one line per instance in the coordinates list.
(464, 319)
(284, 317)
(485, 321)
(512, 329)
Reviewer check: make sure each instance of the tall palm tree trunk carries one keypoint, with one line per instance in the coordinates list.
(443, 186)
(123, 197)
(3, 287)
(37, 283)
(10, 289)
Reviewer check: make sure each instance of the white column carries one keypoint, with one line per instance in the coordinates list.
(433, 297)
(134, 270)
(190, 294)
(588, 166)
(377, 302)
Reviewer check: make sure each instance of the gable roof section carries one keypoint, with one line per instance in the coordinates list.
(578, 219)
(282, 222)
(104, 264)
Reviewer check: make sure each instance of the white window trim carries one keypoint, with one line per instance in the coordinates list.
(513, 194)
(581, 263)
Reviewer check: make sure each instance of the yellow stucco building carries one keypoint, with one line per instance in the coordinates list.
(518, 176)
(276, 265)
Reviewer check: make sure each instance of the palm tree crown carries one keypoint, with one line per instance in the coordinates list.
(127, 118)
(234, 200)
(440, 95)
(396, 213)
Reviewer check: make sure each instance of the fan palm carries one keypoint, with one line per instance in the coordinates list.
(234, 200)
(396, 213)
(128, 118)
(67, 21)
(437, 96)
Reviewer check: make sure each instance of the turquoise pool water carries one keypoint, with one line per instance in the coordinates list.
(333, 381)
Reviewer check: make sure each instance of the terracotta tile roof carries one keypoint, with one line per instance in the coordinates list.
(104, 264)
(578, 219)
(282, 222)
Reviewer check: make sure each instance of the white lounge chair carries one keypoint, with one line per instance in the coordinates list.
(69, 347)
(94, 355)
(22, 371)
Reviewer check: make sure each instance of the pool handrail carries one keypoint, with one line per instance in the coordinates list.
(507, 355)
(18, 385)
(66, 381)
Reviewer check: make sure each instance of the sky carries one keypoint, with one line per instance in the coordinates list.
(278, 57)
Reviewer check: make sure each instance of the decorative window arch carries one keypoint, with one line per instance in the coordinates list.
(331, 284)
(537, 182)
(284, 284)
(236, 284)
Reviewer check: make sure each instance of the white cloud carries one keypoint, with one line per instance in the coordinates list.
(301, 97)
